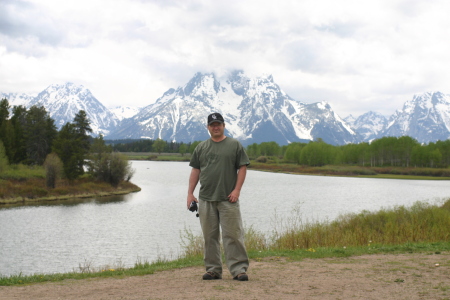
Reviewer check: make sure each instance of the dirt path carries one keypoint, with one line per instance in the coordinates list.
(404, 276)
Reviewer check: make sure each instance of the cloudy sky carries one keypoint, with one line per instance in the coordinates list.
(357, 55)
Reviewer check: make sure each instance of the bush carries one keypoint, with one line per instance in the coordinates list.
(53, 169)
(262, 159)
(112, 168)
(3, 158)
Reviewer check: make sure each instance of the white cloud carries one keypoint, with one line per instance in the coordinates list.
(357, 55)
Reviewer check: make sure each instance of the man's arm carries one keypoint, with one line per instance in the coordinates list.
(234, 196)
(193, 180)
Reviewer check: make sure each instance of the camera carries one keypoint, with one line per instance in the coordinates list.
(194, 207)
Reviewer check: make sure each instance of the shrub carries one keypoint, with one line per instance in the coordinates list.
(262, 159)
(3, 158)
(112, 168)
(53, 169)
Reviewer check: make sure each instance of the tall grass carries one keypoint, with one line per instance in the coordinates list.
(421, 227)
(22, 172)
(420, 223)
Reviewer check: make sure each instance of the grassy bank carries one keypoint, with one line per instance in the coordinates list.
(153, 156)
(355, 171)
(26, 184)
(278, 166)
(421, 228)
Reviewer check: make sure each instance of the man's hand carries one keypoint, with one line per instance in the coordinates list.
(234, 196)
(191, 198)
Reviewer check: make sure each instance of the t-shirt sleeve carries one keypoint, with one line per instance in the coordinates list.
(242, 158)
(195, 161)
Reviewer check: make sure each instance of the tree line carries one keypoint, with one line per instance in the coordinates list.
(30, 137)
(147, 145)
(401, 151)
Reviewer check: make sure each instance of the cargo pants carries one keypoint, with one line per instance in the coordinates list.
(216, 215)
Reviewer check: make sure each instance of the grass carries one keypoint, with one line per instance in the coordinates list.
(20, 184)
(355, 171)
(421, 228)
(156, 156)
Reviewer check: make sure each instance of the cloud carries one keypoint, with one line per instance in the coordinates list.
(357, 55)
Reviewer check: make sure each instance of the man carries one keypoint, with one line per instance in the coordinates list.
(220, 163)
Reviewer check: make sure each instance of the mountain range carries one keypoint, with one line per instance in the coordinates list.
(255, 110)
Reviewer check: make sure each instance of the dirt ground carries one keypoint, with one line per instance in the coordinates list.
(403, 276)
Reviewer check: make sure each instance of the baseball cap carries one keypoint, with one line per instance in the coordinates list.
(215, 117)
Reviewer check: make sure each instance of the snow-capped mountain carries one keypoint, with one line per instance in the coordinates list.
(125, 112)
(255, 110)
(368, 125)
(64, 101)
(426, 118)
(15, 99)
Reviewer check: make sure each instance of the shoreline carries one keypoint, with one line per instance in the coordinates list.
(123, 189)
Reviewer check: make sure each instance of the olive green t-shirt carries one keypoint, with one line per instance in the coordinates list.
(218, 163)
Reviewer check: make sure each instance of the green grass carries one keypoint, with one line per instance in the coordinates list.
(22, 172)
(355, 171)
(421, 228)
(156, 156)
(21, 183)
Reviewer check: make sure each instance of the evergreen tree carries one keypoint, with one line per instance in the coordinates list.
(39, 133)
(71, 152)
(83, 130)
(5, 127)
(18, 122)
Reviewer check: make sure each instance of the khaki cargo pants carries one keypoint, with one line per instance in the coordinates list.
(216, 215)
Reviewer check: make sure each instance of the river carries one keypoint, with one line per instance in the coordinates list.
(59, 237)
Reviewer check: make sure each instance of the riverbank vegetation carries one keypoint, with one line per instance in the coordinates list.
(37, 162)
(421, 228)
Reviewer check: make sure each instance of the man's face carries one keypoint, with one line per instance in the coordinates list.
(216, 129)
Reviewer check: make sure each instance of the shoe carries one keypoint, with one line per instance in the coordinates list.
(210, 276)
(241, 277)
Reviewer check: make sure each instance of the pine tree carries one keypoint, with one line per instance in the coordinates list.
(39, 133)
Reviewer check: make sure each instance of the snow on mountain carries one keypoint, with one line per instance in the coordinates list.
(255, 110)
(125, 112)
(426, 118)
(15, 99)
(64, 101)
(350, 119)
(368, 125)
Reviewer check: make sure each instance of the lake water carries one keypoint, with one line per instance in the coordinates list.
(59, 237)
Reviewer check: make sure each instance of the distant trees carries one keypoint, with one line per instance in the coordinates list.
(158, 145)
(147, 146)
(183, 149)
(192, 146)
(401, 151)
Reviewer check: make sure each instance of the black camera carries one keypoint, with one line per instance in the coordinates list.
(193, 207)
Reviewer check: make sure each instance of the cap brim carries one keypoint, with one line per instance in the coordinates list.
(215, 121)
